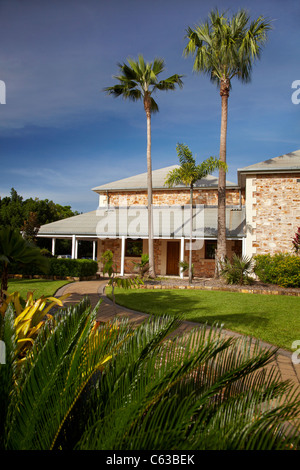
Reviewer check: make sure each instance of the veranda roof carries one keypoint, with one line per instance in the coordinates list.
(132, 222)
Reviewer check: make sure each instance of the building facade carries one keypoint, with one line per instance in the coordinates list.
(262, 215)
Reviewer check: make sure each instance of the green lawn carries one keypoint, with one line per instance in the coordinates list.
(271, 318)
(39, 287)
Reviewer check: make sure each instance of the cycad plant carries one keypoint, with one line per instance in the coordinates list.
(111, 386)
(14, 248)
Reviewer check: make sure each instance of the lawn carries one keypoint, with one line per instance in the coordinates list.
(271, 318)
(39, 287)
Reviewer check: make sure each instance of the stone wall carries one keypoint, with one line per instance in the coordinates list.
(169, 197)
(275, 212)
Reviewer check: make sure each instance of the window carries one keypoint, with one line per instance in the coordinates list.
(210, 248)
(134, 247)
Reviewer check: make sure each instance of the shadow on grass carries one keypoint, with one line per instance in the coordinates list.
(200, 310)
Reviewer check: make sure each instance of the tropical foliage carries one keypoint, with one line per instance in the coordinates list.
(238, 270)
(296, 241)
(188, 174)
(143, 265)
(282, 269)
(226, 48)
(15, 249)
(29, 318)
(139, 81)
(90, 386)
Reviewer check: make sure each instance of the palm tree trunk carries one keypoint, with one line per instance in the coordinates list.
(191, 235)
(149, 186)
(221, 245)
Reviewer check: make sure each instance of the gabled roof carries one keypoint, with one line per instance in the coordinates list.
(139, 182)
(289, 162)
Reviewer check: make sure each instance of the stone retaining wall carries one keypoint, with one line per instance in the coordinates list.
(243, 290)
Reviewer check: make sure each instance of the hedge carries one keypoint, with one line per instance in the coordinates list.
(61, 267)
(282, 269)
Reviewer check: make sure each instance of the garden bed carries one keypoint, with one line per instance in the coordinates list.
(257, 287)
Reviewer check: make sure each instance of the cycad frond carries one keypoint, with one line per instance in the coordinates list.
(122, 388)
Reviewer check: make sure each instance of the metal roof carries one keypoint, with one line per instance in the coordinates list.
(139, 182)
(289, 161)
(132, 222)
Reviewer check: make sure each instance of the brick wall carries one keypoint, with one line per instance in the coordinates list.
(276, 212)
(202, 267)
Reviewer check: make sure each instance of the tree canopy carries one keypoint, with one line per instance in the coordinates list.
(15, 211)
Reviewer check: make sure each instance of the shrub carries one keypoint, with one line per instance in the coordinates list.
(62, 267)
(282, 269)
(238, 270)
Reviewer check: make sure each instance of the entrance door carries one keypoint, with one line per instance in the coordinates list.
(173, 250)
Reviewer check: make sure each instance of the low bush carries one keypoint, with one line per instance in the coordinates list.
(282, 269)
(73, 267)
(62, 267)
(238, 270)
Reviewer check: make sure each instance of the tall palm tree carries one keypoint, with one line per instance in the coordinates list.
(188, 173)
(139, 81)
(14, 248)
(225, 48)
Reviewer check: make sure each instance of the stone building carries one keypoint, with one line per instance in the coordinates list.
(262, 215)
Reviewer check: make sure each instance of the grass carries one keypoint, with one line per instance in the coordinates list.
(270, 318)
(39, 287)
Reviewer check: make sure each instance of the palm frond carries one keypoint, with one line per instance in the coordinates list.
(226, 47)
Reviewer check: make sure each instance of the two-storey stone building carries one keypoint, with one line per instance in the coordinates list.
(262, 215)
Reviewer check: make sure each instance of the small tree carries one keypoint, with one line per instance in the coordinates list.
(188, 174)
(30, 227)
(110, 268)
(296, 241)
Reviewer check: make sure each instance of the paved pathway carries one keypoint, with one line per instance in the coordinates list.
(95, 290)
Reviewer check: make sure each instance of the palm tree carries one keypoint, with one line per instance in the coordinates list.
(188, 173)
(14, 248)
(226, 48)
(139, 81)
(85, 386)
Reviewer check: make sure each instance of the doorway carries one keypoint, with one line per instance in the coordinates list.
(173, 251)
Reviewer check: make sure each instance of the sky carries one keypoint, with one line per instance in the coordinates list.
(61, 135)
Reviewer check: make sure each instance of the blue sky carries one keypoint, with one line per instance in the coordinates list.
(60, 135)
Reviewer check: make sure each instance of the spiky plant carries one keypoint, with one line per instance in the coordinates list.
(14, 248)
(113, 387)
(238, 270)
